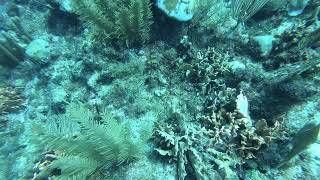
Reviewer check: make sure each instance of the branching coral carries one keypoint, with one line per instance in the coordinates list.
(10, 100)
(215, 144)
(15, 25)
(11, 53)
(189, 146)
(181, 146)
(11, 47)
(207, 71)
(85, 145)
(130, 24)
(232, 132)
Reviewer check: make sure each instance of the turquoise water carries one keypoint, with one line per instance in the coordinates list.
(159, 89)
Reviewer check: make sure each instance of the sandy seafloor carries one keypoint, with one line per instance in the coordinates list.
(178, 92)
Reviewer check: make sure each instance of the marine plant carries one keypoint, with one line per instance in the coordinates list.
(244, 9)
(84, 145)
(126, 20)
(211, 13)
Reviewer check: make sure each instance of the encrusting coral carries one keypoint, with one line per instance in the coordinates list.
(124, 20)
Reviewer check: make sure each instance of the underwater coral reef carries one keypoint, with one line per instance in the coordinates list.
(159, 89)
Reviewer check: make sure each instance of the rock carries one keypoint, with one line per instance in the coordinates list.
(265, 43)
(160, 92)
(181, 10)
(65, 5)
(236, 66)
(38, 49)
(296, 7)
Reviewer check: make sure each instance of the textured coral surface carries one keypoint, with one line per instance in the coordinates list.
(120, 89)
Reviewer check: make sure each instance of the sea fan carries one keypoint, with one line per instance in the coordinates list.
(244, 9)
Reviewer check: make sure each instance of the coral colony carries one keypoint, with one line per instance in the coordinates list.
(159, 89)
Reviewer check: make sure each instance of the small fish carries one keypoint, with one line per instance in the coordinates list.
(307, 135)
